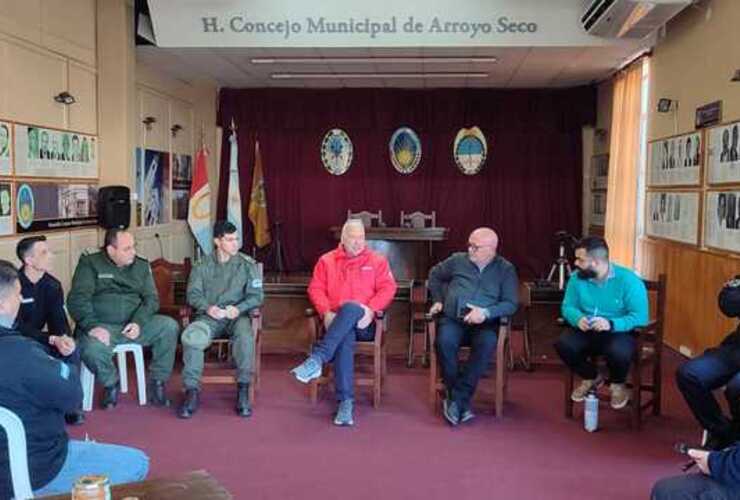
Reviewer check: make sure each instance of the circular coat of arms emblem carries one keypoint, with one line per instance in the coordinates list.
(470, 150)
(336, 151)
(405, 150)
(26, 206)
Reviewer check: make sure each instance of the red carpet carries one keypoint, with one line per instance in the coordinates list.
(289, 449)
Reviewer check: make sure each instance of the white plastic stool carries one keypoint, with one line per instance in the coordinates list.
(17, 453)
(87, 378)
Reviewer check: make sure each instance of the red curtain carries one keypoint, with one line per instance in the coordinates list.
(529, 188)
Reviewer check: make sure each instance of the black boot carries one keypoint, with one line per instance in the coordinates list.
(190, 405)
(243, 408)
(157, 394)
(76, 417)
(110, 397)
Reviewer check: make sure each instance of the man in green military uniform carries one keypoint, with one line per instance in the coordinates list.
(114, 301)
(223, 288)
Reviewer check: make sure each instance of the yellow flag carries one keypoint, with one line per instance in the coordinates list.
(258, 203)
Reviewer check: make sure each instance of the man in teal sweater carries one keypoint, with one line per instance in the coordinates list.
(603, 303)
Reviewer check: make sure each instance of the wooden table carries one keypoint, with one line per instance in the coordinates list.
(408, 249)
(196, 485)
(541, 329)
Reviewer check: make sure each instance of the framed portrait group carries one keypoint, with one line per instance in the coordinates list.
(694, 188)
(48, 178)
(599, 179)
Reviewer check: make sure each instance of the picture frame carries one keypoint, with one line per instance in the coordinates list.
(723, 154)
(676, 161)
(673, 215)
(722, 220)
(599, 171)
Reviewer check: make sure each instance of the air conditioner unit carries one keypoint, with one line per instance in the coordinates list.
(628, 18)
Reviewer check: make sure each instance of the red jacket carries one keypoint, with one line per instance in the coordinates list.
(337, 279)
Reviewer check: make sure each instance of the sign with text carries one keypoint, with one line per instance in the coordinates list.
(355, 23)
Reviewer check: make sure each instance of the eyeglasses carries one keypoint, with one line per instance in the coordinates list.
(475, 248)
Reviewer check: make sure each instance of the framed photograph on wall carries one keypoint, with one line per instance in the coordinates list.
(599, 171)
(598, 208)
(6, 144)
(673, 215)
(43, 152)
(723, 154)
(6, 208)
(675, 161)
(48, 205)
(722, 220)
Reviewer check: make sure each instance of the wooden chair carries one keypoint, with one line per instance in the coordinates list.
(418, 219)
(500, 382)
(369, 219)
(171, 281)
(418, 305)
(374, 349)
(648, 354)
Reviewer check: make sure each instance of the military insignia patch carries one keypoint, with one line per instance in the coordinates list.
(470, 150)
(336, 151)
(25, 206)
(405, 150)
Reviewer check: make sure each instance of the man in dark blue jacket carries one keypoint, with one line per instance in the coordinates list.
(41, 316)
(472, 291)
(40, 389)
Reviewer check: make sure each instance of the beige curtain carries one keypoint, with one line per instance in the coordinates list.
(624, 155)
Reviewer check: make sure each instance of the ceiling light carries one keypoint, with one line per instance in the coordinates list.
(372, 60)
(334, 76)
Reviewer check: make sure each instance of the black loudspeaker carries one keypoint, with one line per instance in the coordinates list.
(114, 207)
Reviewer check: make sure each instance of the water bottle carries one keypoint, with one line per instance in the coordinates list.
(591, 412)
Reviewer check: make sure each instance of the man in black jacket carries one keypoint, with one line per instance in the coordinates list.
(40, 389)
(42, 315)
(472, 291)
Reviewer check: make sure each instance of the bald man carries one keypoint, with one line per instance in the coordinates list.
(472, 291)
(349, 285)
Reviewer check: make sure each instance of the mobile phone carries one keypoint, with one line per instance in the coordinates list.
(464, 311)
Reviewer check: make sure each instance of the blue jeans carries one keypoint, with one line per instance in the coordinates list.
(339, 345)
(693, 487)
(482, 340)
(576, 348)
(697, 378)
(120, 464)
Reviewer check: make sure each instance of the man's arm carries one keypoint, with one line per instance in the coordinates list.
(80, 300)
(571, 307)
(253, 291)
(385, 287)
(196, 295)
(439, 276)
(52, 382)
(509, 301)
(318, 289)
(149, 299)
(57, 318)
(636, 303)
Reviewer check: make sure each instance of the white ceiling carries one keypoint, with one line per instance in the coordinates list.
(516, 67)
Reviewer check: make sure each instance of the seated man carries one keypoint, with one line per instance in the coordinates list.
(603, 303)
(223, 288)
(718, 366)
(349, 285)
(40, 389)
(114, 301)
(472, 290)
(42, 315)
(718, 479)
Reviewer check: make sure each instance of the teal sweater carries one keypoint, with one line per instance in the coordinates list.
(621, 298)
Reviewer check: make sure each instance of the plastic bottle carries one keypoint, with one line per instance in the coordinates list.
(591, 412)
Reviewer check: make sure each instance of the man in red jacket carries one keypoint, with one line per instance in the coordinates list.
(349, 285)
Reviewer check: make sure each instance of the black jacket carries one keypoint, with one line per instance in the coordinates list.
(40, 390)
(43, 305)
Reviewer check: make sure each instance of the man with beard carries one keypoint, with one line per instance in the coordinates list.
(604, 302)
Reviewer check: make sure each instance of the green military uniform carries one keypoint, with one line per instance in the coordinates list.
(236, 282)
(111, 297)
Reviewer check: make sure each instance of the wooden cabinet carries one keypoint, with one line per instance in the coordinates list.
(83, 115)
(32, 79)
(68, 27)
(22, 19)
(153, 106)
(181, 113)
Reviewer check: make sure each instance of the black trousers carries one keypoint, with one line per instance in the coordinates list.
(576, 348)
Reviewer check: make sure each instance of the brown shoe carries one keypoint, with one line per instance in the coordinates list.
(620, 396)
(580, 392)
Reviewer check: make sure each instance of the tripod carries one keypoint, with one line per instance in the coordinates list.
(561, 266)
